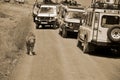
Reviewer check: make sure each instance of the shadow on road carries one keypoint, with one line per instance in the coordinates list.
(103, 52)
(47, 28)
(70, 35)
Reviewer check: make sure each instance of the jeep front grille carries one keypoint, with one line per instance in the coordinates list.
(45, 18)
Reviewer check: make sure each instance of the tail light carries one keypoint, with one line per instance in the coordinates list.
(96, 25)
(95, 34)
(95, 31)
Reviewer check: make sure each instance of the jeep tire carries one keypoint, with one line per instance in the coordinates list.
(64, 33)
(79, 44)
(86, 46)
(42, 26)
(37, 26)
(54, 26)
(114, 34)
(33, 19)
(60, 32)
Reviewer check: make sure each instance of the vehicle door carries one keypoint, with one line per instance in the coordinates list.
(107, 21)
(86, 27)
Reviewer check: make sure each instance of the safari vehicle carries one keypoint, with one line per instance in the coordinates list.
(71, 17)
(47, 14)
(101, 28)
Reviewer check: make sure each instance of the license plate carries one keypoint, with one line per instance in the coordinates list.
(43, 22)
(75, 30)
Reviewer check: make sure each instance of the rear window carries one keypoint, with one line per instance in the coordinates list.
(110, 20)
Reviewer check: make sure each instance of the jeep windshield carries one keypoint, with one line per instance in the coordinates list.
(47, 10)
(108, 20)
(73, 14)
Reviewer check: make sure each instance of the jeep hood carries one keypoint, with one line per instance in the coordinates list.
(46, 15)
(72, 20)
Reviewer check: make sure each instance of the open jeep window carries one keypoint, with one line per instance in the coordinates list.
(73, 14)
(47, 10)
(108, 20)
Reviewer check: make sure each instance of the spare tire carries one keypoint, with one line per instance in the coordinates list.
(114, 34)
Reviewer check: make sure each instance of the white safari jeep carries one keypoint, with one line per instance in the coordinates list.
(101, 28)
(47, 15)
(71, 19)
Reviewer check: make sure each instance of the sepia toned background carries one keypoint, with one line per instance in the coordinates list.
(56, 58)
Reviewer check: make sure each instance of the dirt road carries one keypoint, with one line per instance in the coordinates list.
(60, 59)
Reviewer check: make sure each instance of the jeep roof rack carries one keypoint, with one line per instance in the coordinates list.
(70, 3)
(111, 4)
(47, 2)
(104, 10)
(76, 7)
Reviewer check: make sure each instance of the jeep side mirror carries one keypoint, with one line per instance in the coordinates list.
(38, 5)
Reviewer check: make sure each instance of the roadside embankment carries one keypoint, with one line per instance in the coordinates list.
(14, 27)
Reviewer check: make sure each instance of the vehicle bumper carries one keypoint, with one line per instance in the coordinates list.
(45, 22)
(71, 29)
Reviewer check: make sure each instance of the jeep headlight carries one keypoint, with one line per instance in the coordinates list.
(66, 24)
(53, 18)
(36, 18)
(70, 24)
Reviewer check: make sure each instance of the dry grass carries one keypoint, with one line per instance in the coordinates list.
(13, 31)
(12, 39)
